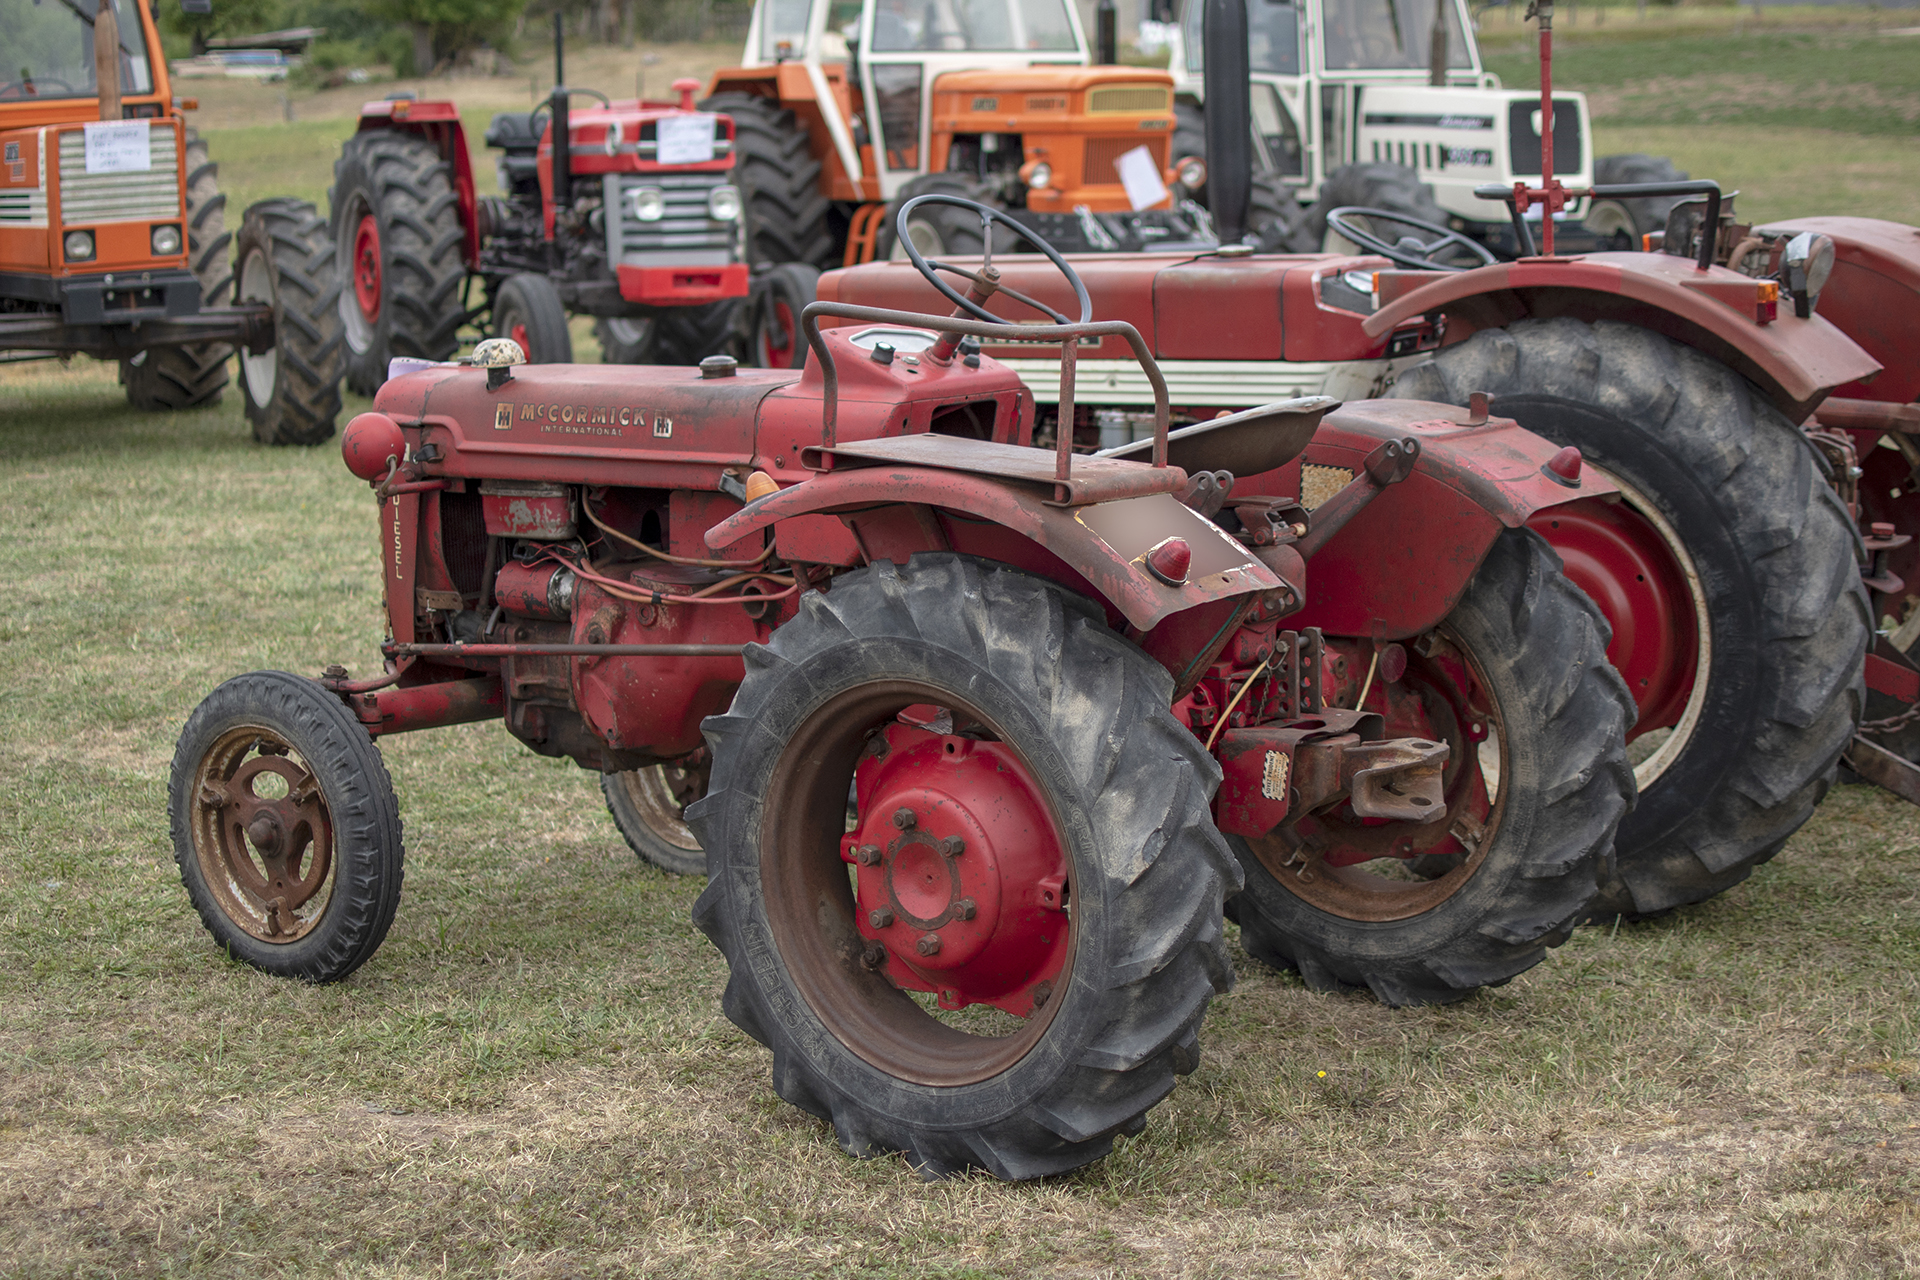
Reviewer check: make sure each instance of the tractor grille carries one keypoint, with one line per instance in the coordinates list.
(23, 208)
(120, 197)
(686, 236)
(1103, 156)
(1137, 97)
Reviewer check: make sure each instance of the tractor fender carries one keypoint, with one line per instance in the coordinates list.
(438, 123)
(1402, 564)
(1733, 318)
(891, 512)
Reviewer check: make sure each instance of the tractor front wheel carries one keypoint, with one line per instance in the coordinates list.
(624, 339)
(284, 258)
(1000, 955)
(774, 339)
(285, 827)
(650, 808)
(1727, 574)
(1515, 681)
(528, 309)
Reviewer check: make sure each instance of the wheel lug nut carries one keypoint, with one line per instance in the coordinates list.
(880, 917)
(964, 909)
(867, 855)
(874, 956)
(929, 945)
(953, 846)
(904, 818)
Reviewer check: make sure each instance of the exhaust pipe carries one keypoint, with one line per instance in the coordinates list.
(1106, 38)
(1229, 116)
(562, 133)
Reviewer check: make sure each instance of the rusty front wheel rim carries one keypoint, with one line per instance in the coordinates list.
(1354, 893)
(808, 898)
(268, 860)
(651, 794)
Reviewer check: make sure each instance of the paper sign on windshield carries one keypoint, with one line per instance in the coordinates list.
(1141, 177)
(118, 146)
(685, 139)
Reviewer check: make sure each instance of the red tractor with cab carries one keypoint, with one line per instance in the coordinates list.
(985, 724)
(636, 222)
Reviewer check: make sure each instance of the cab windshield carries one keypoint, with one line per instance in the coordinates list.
(972, 26)
(46, 49)
(1273, 37)
(1389, 35)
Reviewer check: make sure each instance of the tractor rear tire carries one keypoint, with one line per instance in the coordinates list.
(1772, 572)
(624, 339)
(771, 316)
(688, 335)
(285, 827)
(1274, 216)
(779, 180)
(1625, 221)
(283, 256)
(1392, 187)
(1525, 880)
(649, 807)
(402, 252)
(163, 378)
(528, 309)
(1079, 717)
(942, 230)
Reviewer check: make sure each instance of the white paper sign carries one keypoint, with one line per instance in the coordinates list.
(1141, 177)
(685, 139)
(118, 146)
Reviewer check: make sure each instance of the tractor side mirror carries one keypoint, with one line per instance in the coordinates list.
(196, 6)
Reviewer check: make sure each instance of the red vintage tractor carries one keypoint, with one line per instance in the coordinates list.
(637, 222)
(978, 714)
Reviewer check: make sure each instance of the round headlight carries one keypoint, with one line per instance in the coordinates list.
(723, 203)
(166, 240)
(649, 203)
(79, 246)
(1040, 176)
(1192, 173)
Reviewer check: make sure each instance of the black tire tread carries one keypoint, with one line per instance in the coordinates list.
(1649, 213)
(180, 377)
(785, 208)
(307, 327)
(640, 838)
(1392, 187)
(1140, 775)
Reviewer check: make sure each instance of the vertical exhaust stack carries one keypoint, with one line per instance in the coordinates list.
(106, 59)
(562, 133)
(1106, 39)
(1229, 116)
(1437, 51)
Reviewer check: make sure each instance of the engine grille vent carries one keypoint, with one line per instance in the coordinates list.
(686, 228)
(120, 197)
(1103, 156)
(1151, 97)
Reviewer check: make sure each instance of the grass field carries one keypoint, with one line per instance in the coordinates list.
(533, 1076)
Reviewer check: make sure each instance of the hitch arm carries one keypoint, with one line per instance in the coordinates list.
(1388, 464)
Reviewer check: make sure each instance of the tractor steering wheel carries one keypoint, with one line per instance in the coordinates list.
(1408, 251)
(929, 267)
(19, 88)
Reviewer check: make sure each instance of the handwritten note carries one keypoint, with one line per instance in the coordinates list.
(118, 146)
(685, 139)
(1141, 177)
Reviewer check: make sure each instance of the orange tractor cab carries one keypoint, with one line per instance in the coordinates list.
(636, 222)
(113, 236)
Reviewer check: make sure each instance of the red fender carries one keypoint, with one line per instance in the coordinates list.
(438, 123)
(1402, 564)
(1722, 313)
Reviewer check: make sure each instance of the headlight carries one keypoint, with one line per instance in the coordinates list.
(649, 203)
(1191, 173)
(723, 203)
(79, 246)
(166, 241)
(1040, 175)
(1807, 262)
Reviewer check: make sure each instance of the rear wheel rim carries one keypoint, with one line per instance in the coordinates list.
(256, 285)
(262, 835)
(844, 961)
(660, 804)
(359, 249)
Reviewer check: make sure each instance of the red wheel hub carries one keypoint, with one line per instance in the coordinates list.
(518, 332)
(961, 877)
(366, 266)
(1619, 558)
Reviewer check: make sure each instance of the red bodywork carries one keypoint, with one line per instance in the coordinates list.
(438, 123)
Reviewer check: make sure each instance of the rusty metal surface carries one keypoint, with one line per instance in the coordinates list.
(1883, 768)
(262, 834)
(1247, 443)
(1870, 415)
(1092, 479)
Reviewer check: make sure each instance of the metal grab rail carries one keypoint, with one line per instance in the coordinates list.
(1614, 191)
(1068, 335)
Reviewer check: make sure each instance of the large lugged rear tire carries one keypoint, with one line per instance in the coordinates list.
(688, 335)
(285, 827)
(181, 377)
(1623, 222)
(284, 257)
(1759, 555)
(400, 247)
(1392, 187)
(1505, 876)
(785, 211)
(1089, 989)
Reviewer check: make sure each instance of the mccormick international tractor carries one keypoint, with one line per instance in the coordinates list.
(636, 222)
(845, 110)
(986, 723)
(113, 238)
(1384, 104)
(1730, 568)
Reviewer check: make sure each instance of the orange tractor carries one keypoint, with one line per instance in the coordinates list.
(113, 237)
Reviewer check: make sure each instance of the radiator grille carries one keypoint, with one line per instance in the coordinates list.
(1103, 156)
(119, 197)
(23, 208)
(1142, 97)
(686, 227)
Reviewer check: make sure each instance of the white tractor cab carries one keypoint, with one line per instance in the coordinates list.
(846, 109)
(1350, 106)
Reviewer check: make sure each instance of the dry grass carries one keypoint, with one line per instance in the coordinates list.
(533, 1077)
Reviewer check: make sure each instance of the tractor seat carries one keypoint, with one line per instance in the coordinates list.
(517, 133)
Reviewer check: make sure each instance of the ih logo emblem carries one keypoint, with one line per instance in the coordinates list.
(662, 425)
(502, 417)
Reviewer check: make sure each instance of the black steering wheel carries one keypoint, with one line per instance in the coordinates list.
(930, 268)
(1408, 251)
(20, 86)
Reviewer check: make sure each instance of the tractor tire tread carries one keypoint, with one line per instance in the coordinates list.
(780, 180)
(308, 343)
